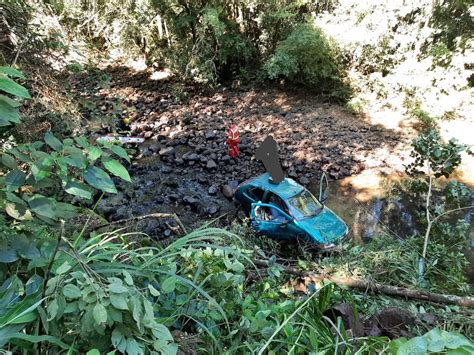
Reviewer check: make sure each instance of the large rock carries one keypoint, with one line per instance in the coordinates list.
(210, 135)
(227, 191)
(190, 156)
(211, 164)
(166, 152)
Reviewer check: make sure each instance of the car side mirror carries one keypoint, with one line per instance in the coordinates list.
(323, 188)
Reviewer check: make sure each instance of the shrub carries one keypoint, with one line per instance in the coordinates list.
(306, 57)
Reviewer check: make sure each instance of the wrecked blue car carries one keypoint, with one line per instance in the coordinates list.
(289, 211)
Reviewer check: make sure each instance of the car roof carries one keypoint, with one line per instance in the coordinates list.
(285, 189)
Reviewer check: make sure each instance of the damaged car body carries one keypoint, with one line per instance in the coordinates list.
(287, 210)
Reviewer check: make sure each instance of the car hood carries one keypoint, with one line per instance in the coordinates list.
(326, 227)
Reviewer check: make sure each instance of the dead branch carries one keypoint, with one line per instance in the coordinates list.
(378, 288)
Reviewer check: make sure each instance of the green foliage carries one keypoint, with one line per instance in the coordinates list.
(457, 192)
(426, 120)
(442, 158)
(389, 260)
(436, 341)
(102, 295)
(75, 68)
(454, 19)
(206, 41)
(37, 176)
(306, 57)
(441, 55)
(10, 93)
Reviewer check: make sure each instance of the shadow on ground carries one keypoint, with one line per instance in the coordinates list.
(184, 164)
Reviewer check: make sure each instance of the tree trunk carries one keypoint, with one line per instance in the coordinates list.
(378, 288)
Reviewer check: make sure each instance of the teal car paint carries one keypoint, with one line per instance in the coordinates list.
(325, 228)
(288, 211)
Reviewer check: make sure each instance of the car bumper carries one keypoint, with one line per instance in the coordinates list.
(330, 246)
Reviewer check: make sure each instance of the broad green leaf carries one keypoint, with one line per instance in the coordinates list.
(65, 210)
(149, 316)
(43, 206)
(99, 179)
(119, 301)
(52, 309)
(68, 142)
(9, 113)
(133, 348)
(165, 348)
(116, 337)
(25, 248)
(137, 310)
(94, 152)
(37, 145)
(168, 285)
(39, 155)
(65, 267)
(115, 314)
(100, 313)
(9, 86)
(79, 189)
(15, 199)
(8, 161)
(18, 211)
(117, 288)
(9, 101)
(122, 153)
(53, 142)
(26, 318)
(42, 169)
(4, 122)
(93, 352)
(82, 141)
(162, 332)
(72, 291)
(19, 155)
(14, 179)
(8, 255)
(12, 72)
(69, 149)
(117, 169)
(153, 291)
(128, 278)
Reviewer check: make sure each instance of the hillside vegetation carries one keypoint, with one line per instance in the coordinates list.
(110, 248)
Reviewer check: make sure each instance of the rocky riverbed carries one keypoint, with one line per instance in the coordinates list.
(184, 166)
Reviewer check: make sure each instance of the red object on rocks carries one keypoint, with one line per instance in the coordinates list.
(233, 141)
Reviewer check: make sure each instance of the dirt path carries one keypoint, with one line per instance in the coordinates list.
(184, 163)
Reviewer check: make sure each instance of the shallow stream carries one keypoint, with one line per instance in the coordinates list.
(371, 212)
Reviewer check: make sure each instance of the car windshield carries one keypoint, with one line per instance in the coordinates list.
(304, 205)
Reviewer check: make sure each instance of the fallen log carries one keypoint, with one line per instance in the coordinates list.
(377, 287)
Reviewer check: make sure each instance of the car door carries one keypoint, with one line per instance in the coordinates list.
(251, 195)
(272, 221)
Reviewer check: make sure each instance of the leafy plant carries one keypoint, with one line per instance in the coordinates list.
(101, 294)
(441, 158)
(426, 120)
(306, 57)
(10, 93)
(37, 176)
(457, 192)
(436, 341)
